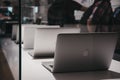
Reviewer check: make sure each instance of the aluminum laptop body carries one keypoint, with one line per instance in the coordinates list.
(45, 40)
(83, 52)
(28, 34)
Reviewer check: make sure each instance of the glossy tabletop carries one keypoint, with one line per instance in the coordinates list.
(33, 70)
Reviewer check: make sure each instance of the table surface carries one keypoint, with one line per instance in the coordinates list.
(11, 22)
(11, 53)
(33, 70)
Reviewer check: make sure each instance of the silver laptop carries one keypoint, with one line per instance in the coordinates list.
(45, 40)
(28, 34)
(83, 52)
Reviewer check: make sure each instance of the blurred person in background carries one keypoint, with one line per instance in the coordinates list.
(62, 12)
(5, 14)
(98, 17)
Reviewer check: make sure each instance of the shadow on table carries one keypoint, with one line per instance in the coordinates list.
(36, 57)
(94, 75)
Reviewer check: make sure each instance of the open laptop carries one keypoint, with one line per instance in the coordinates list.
(28, 34)
(45, 40)
(83, 52)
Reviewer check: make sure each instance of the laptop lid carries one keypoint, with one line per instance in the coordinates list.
(28, 34)
(84, 52)
(45, 39)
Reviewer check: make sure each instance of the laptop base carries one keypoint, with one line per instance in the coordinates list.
(49, 66)
(37, 56)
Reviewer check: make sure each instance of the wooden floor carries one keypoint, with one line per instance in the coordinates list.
(5, 73)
